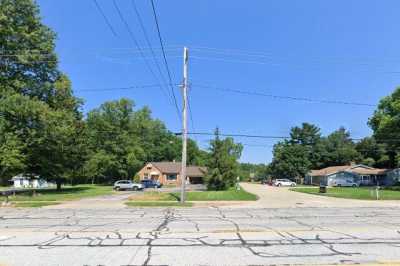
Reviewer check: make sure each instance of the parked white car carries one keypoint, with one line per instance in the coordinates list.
(283, 183)
(344, 183)
(127, 185)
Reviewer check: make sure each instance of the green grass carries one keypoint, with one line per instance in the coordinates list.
(154, 196)
(364, 193)
(67, 193)
(227, 195)
(157, 204)
(34, 204)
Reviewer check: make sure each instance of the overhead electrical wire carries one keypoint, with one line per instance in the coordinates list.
(139, 18)
(120, 88)
(132, 36)
(281, 97)
(163, 51)
(105, 18)
(380, 140)
(270, 55)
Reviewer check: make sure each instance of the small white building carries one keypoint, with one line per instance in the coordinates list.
(28, 181)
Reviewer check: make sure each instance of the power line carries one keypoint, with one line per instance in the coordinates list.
(303, 99)
(147, 39)
(132, 36)
(105, 17)
(270, 55)
(121, 88)
(163, 50)
(235, 135)
(277, 137)
(239, 52)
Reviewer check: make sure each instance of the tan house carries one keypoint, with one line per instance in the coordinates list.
(169, 173)
(362, 174)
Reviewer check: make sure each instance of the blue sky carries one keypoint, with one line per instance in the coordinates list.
(345, 50)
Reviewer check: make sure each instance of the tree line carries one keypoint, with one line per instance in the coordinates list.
(44, 132)
(307, 149)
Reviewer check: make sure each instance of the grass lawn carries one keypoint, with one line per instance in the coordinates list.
(228, 195)
(157, 204)
(67, 193)
(364, 193)
(154, 196)
(34, 204)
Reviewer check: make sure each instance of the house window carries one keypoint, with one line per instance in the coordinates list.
(146, 176)
(171, 177)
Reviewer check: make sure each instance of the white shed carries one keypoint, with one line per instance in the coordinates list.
(28, 181)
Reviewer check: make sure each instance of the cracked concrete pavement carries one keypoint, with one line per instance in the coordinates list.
(258, 233)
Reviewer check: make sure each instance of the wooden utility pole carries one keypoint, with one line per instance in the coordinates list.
(184, 122)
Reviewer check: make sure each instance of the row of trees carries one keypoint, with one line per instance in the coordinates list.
(43, 131)
(307, 149)
(119, 140)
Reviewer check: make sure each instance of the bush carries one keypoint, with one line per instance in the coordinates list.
(136, 178)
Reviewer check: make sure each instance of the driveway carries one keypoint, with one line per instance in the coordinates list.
(283, 197)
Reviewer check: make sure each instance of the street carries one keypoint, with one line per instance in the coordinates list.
(199, 236)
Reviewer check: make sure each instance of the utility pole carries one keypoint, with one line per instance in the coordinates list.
(184, 122)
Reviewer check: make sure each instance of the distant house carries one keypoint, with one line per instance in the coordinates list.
(170, 173)
(28, 181)
(362, 174)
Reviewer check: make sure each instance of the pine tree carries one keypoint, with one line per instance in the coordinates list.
(223, 163)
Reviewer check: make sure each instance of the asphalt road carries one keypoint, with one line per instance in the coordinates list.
(199, 236)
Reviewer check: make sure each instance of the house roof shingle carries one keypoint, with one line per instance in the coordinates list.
(175, 168)
(358, 169)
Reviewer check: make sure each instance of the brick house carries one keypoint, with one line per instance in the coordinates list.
(168, 173)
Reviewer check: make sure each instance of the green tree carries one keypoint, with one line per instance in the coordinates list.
(121, 140)
(223, 163)
(373, 154)
(306, 135)
(12, 159)
(338, 149)
(309, 136)
(114, 148)
(290, 161)
(37, 107)
(385, 123)
(256, 171)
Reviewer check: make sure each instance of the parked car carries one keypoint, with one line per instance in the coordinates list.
(283, 183)
(149, 183)
(345, 183)
(127, 185)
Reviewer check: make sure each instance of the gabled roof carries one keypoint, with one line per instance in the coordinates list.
(24, 177)
(357, 169)
(175, 168)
